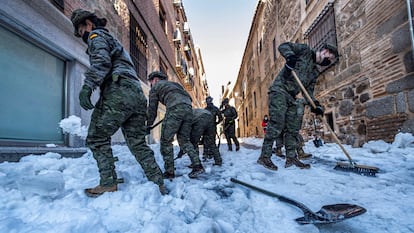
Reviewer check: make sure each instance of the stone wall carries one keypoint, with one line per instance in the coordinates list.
(369, 93)
(374, 77)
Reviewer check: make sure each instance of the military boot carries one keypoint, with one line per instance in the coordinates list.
(302, 154)
(168, 175)
(294, 161)
(279, 152)
(163, 190)
(197, 169)
(99, 190)
(267, 163)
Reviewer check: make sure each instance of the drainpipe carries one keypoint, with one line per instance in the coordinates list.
(410, 20)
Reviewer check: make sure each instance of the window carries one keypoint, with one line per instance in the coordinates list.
(274, 49)
(32, 99)
(260, 45)
(254, 98)
(138, 45)
(323, 30)
(163, 19)
(247, 117)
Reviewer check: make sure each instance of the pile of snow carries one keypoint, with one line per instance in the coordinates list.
(72, 125)
(45, 193)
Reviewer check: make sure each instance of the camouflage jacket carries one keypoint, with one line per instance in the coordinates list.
(169, 94)
(200, 114)
(305, 68)
(215, 112)
(230, 114)
(107, 57)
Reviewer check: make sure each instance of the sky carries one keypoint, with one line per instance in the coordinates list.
(45, 193)
(220, 28)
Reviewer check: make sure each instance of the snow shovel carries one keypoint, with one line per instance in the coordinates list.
(351, 166)
(327, 214)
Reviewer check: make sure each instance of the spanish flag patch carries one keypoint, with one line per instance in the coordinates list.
(92, 36)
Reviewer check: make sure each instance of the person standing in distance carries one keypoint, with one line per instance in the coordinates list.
(230, 115)
(217, 118)
(122, 103)
(178, 120)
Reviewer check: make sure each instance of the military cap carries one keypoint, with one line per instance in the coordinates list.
(79, 16)
(158, 74)
(332, 49)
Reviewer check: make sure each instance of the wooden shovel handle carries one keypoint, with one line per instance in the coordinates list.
(323, 117)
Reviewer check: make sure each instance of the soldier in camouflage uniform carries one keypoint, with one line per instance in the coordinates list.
(209, 149)
(230, 115)
(298, 122)
(122, 103)
(178, 120)
(217, 118)
(203, 125)
(282, 98)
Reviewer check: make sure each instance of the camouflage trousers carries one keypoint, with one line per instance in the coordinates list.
(284, 117)
(206, 127)
(178, 120)
(298, 125)
(230, 133)
(122, 104)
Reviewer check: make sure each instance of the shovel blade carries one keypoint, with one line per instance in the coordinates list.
(332, 214)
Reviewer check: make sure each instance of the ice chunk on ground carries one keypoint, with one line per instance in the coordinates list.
(49, 184)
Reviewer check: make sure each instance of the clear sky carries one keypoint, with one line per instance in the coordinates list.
(220, 28)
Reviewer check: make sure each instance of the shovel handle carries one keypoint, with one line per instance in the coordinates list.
(301, 206)
(156, 124)
(323, 117)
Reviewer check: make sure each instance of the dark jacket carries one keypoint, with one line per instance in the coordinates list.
(230, 114)
(305, 68)
(107, 57)
(169, 94)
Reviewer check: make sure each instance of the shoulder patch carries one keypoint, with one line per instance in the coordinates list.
(93, 36)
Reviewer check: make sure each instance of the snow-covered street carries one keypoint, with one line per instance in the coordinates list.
(45, 193)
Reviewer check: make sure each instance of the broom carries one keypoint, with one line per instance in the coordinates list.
(351, 166)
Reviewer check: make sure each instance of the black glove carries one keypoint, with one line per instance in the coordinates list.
(291, 62)
(85, 98)
(319, 110)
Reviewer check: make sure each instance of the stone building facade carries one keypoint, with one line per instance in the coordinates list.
(43, 63)
(368, 94)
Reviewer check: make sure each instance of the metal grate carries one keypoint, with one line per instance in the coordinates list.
(322, 30)
(138, 47)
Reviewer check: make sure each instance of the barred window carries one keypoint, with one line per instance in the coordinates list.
(322, 30)
(138, 47)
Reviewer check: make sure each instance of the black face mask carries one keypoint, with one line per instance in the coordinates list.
(325, 62)
(85, 37)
